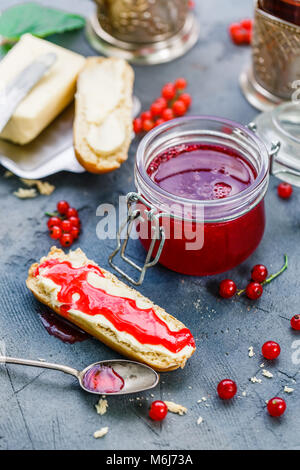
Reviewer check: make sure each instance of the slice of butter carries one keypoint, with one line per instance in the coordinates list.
(49, 96)
(108, 136)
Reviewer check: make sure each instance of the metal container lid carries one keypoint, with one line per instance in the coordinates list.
(280, 129)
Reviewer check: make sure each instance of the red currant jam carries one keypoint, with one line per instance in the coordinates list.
(102, 379)
(61, 328)
(123, 313)
(205, 172)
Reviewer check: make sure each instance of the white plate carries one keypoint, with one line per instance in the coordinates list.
(52, 151)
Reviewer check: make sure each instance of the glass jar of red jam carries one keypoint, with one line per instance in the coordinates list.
(202, 180)
(287, 10)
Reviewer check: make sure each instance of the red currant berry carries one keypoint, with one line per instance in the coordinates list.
(75, 221)
(66, 239)
(179, 108)
(168, 91)
(159, 122)
(186, 98)
(71, 212)
(248, 37)
(137, 125)
(239, 37)
(163, 102)
(233, 28)
(158, 410)
(66, 226)
(285, 190)
(276, 406)
(146, 115)
(295, 322)
(180, 83)
(227, 288)
(259, 273)
(167, 114)
(62, 207)
(75, 232)
(156, 109)
(270, 350)
(247, 24)
(55, 232)
(227, 389)
(54, 221)
(254, 290)
(148, 124)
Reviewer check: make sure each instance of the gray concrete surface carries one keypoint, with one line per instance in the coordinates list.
(45, 409)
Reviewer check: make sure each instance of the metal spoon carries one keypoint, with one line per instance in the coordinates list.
(137, 377)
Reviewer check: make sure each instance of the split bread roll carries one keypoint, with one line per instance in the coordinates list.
(119, 316)
(103, 114)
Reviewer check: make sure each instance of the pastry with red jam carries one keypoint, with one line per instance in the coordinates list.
(119, 316)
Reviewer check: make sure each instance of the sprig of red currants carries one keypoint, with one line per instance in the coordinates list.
(64, 224)
(241, 33)
(254, 290)
(173, 102)
(270, 350)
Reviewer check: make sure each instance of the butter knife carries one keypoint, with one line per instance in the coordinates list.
(16, 90)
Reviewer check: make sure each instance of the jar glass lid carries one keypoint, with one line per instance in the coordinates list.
(282, 125)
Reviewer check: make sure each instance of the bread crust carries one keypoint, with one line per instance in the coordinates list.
(157, 360)
(91, 161)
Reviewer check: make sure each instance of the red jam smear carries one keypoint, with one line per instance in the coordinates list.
(61, 328)
(102, 379)
(201, 172)
(226, 244)
(143, 324)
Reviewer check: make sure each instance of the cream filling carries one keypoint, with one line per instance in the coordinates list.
(52, 290)
(115, 290)
(102, 89)
(129, 339)
(107, 137)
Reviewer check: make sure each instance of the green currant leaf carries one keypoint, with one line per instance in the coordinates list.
(37, 20)
(4, 48)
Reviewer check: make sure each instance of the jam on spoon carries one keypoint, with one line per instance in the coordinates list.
(103, 379)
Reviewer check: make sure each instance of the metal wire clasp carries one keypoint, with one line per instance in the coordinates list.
(283, 166)
(157, 233)
(275, 147)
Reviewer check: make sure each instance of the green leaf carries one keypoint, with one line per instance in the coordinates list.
(37, 20)
(4, 48)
